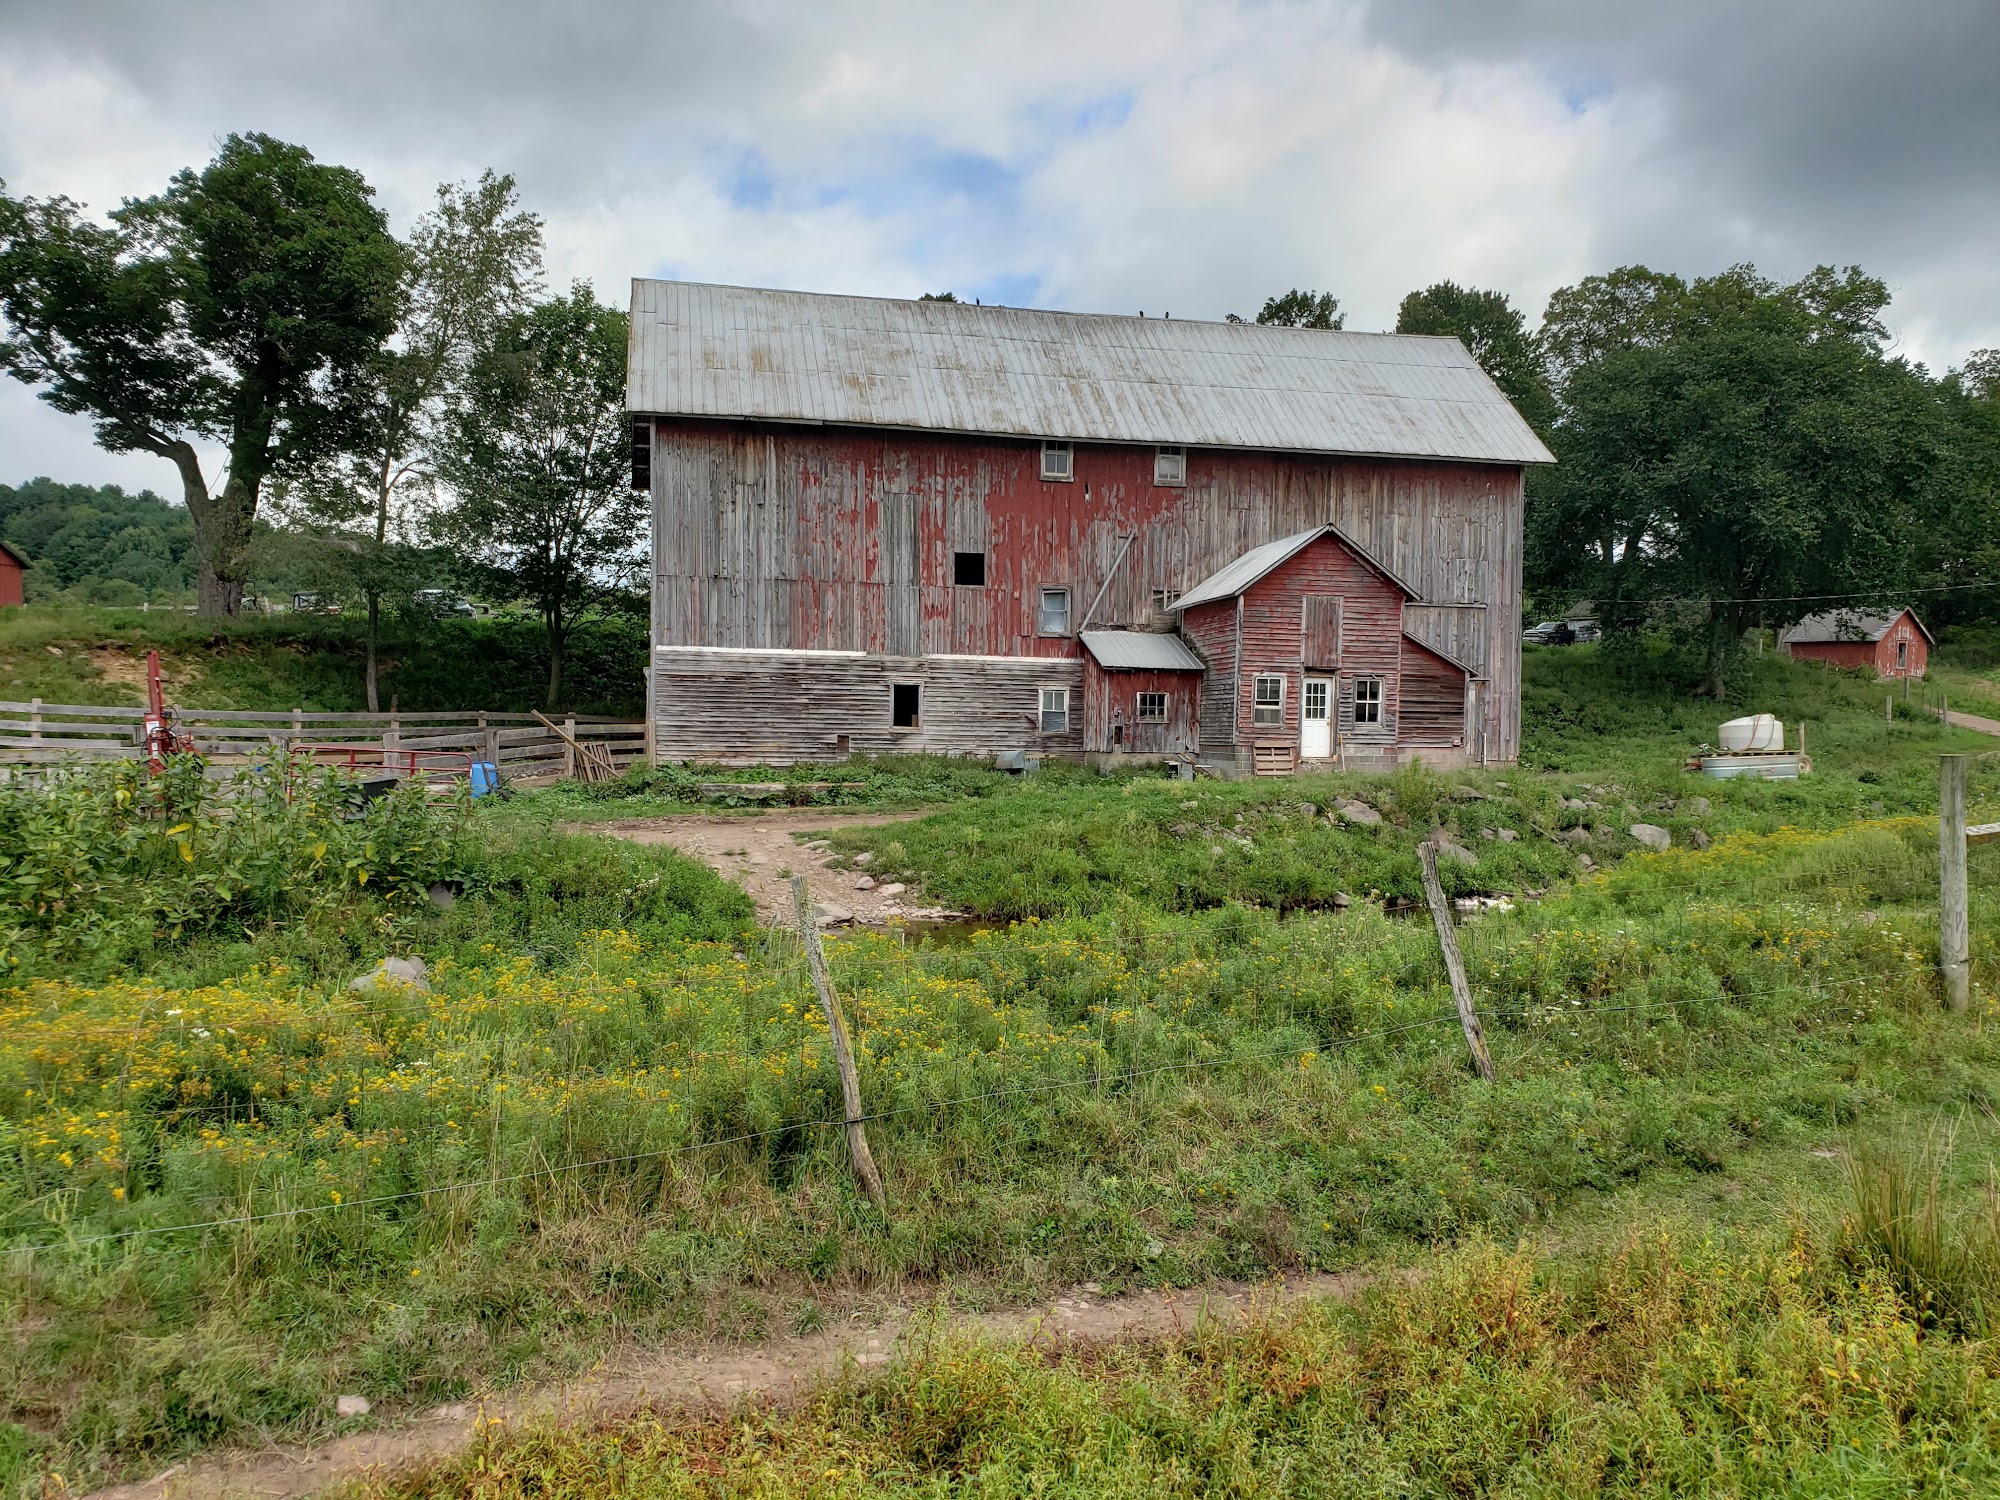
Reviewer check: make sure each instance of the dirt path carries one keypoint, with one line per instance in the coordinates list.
(1973, 721)
(716, 1377)
(761, 851)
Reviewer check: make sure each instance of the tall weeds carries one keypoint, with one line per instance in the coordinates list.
(1945, 1264)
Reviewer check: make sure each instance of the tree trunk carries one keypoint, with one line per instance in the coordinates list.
(221, 536)
(556, 634)
(374, 630)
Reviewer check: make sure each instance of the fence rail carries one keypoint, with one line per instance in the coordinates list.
(434, 745)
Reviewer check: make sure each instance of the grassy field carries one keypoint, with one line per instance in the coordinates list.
(230, 1187)
(98, 656)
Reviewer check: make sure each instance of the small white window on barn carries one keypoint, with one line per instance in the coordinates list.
(1152, 708)
(1058, 462)
(1055, 710)
(1268, 703)
(1368, 700)
(1170, 466)
(1052, 612)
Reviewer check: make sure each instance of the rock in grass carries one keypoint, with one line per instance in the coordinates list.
(1652, 836)
(1697, 807)
(1446, 849)
(894, 888)
(393, 973)
(1699, 838)
(865, 858)
(864, 882)
(1585, 863)
(1509, 836)
(830, 915)
(1350, 811)
(351, 1406)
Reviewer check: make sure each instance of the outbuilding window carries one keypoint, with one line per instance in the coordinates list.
(1058, 462)
(1055, 710)
(1902, 655)
(1152, 708)
(1267, 708)
(1052, 612)
(1368, 700)
(905, 700)
(1170, 466)
(968, 569)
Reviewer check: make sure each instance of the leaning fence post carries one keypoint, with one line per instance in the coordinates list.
(1454, 962)
(1954, 938)
(843, 1054)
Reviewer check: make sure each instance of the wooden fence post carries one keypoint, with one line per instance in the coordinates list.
(34, 721)
(1454, 961)
(843, 1054)
(570, 767)
(1954, 938)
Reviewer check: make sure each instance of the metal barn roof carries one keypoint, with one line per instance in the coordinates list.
(1847, 625)
(738, 352)
(1233, 578)
(1140, 651)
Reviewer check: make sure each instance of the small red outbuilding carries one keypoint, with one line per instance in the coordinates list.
(12, 566)
(1893, 642)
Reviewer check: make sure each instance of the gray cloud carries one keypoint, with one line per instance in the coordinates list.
(1183, 155)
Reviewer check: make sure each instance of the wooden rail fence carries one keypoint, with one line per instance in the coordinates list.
(430, 744)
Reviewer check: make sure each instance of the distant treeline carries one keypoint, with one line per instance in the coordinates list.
(98, 546)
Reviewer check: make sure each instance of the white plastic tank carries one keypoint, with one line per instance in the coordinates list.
(1753, 732)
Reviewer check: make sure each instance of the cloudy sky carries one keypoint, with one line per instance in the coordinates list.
(1096, 155)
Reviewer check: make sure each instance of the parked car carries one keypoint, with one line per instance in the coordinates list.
(1549, 633)
(444, 602)
(1586, 630)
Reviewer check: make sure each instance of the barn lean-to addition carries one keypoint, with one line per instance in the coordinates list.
(1892, 642)
(885, 526)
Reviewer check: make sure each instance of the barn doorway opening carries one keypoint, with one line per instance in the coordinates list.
(905, 700)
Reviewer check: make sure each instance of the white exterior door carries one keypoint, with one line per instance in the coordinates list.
(1316, 719)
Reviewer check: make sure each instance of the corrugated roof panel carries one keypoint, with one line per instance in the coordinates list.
(941, 366)
(1233, 578)
(1140, 651)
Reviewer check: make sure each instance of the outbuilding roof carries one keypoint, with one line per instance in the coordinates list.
(1848, 625)
(20, 557)
(1233, 578)
(1140, 651)
(740, 352)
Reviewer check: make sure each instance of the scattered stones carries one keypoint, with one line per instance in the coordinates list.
(1350, 811)
(1697, 807)
(865, 858)
(1699, 838)
(351, 1406)
(1488, 834)
(894, 888)
(1573, 835)
(1341, 901)
(444, 894)
(831, 915)
(1093, 1288)
(1652, 836)
(1574, 804)
(1509, 836)
(1586, 863)
(864, 882)
(1468, 794)
(1154, 1249)
(1446, 849)
(55, 650)
(391, 974)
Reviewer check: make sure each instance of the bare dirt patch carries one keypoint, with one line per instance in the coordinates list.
(719, 1377)
(762, 851)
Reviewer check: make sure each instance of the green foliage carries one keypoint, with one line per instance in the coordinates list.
(1297, 309)
(1682, 1363)
(863, 781)
(84, 543)
(1944, 1264)
(539, 464)
(1493, 330)
(96, 862)
(230, 308)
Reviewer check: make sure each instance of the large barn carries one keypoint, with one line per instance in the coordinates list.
(884, 526)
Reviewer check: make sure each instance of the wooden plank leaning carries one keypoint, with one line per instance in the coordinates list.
(1454, 961)
(593, 762)
(843, 1052)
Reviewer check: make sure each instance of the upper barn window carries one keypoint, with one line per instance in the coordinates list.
(1058, 461)
(969, 569)
(1052, 612)
(1170, 466)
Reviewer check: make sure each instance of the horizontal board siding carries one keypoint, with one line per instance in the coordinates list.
(1111, 703)
(780, 537)
(1433, 699)
(772, 709)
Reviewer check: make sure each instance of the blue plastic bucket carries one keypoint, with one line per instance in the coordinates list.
(485, 777)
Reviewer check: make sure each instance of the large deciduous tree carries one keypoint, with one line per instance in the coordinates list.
(234, 308)
(1300, 309)
(1496, 335)
(538, 466)
(1734, 443)
(470, 264)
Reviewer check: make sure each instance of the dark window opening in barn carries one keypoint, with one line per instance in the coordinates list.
(904, 700)
(642, 453)
(1052, 612)
(1055, 710)
(1170, 466)
(1902, 655)
(1152, 708)
(1165, 598)
(969, 569)
(1267, 707)
(1058, 461)
(1117, 734)
(1368, 700)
